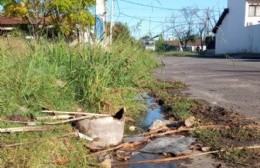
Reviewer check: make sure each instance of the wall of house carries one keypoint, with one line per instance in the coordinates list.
(233, 35)
(253, 40)
(230, 36)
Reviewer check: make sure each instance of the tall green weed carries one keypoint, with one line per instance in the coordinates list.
(57, 76)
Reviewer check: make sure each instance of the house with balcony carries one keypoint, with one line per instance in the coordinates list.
(238, 28)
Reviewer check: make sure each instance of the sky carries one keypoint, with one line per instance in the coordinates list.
(144, 16)
(153, 16)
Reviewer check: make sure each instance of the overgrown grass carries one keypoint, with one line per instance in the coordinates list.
(57, 76)
(50, 75)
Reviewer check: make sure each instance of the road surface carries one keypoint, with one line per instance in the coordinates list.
(233, 84)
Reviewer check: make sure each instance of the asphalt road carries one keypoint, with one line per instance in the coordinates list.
(233, 84)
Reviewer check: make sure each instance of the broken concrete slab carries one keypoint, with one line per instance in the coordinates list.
(174, 144)
(148, 156)
(105, 131)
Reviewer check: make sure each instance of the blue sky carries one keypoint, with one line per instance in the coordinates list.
(143, 20)
(138, 17)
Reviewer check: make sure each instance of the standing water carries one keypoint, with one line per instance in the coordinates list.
(154, 113)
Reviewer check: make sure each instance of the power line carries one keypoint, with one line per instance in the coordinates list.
(155, 7)
(142, 18)
(149, 6)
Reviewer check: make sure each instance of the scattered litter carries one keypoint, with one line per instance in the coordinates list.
(132, 128)
(175, 144)
(82, 136)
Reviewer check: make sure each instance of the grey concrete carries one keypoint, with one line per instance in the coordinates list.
(233, 84)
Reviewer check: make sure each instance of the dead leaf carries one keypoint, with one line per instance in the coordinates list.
(106, 163)
(62, 161)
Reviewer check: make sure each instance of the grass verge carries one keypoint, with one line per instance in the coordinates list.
(56, 76)
(180, 53)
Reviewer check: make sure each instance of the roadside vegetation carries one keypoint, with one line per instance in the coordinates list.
(180, 53)
(57, 76)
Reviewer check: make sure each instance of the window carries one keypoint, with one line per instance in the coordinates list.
(254, 11)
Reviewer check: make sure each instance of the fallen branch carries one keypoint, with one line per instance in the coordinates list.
(108, 150)
(75, 113)
(181, 157)
(20, 122)
(56, 117)
(152, 134)
(26, 129)
(67, 121)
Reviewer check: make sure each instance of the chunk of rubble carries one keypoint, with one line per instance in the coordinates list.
(176, 145)
(189, 122)
(105, 131)
(158, 124)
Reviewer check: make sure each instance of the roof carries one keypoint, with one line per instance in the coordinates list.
(222, 17)
(10, 21)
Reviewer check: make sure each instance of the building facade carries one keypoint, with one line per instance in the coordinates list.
(238, 29)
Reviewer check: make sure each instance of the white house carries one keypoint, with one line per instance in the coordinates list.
(238, 28)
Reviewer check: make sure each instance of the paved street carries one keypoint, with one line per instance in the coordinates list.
(228, 83)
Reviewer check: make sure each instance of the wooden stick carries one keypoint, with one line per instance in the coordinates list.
(74, 113)
(181, 157)
(20, 122)
(200, 127)
(66, 121)
(56, 117)
(26, 129)
(108, 150)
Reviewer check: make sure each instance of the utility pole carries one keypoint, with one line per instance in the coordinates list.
(111, 22)
(101, 13)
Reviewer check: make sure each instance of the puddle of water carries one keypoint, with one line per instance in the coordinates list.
(154, 111)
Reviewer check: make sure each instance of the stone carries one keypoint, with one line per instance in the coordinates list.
(158, 124)
(174, 144)
(189, 122)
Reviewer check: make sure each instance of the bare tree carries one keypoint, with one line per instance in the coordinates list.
(204, 25)
(183, 26)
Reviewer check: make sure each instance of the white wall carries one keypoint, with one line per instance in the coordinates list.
(233, 36)
(253, 40)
